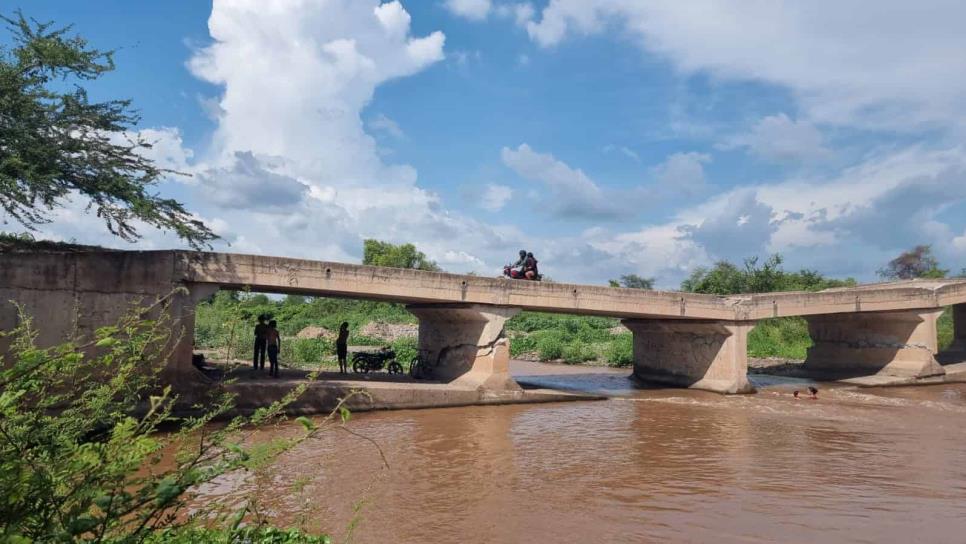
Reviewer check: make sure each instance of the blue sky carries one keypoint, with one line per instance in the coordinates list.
(607, 136)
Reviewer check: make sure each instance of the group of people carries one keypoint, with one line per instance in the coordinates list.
(526, 265)
(268, 341)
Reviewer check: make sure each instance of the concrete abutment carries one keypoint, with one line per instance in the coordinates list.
(708, 355)
(892, 343)
(465, 344)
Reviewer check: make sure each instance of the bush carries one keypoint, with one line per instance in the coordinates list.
(620, 351)
(76, 463)
(550, 345)
(521, 344)
(577, 352)
(785, 337)
(406, 349)
(306, 350)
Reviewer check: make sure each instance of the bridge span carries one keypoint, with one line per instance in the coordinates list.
(680, 339)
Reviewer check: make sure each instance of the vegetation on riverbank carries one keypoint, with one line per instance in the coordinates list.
(82, 458)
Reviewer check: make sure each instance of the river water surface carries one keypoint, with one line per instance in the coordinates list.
(856, 465)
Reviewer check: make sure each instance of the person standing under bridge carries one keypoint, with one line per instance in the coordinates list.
(274, 344)
(258, 360)
(342, 347)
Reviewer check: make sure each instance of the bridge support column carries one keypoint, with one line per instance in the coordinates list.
(894, 343)
(709, 355)
(959, 328)
(466, 344)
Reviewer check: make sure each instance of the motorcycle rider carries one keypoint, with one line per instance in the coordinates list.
(520, 265)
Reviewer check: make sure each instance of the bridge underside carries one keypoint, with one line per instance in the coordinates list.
(678, 341)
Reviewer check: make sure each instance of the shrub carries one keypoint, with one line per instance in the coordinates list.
(523, 343)
(620, 351)
(577, 352)
(550, 345)
(406, 349)
(77, 464)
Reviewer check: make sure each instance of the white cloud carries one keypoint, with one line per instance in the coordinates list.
(573, 193)
(897, 66)
(382, 123)
(780, 139)
(521, 13)
(495, 197)
(475, 10)
(683, 173)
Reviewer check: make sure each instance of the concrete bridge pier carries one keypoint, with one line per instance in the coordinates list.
(700, 354)
(466, 344)
(959, 328)
(899, 343)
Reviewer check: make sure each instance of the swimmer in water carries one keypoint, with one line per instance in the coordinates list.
(812, 393)
(795, 394)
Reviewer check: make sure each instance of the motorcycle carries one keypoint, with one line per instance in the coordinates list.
(509, 272)
(374, 361)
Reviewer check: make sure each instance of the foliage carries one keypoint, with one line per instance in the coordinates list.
(377, 253)
(918, 262)
(80, 456)
(620, 352)
(785, 337)
(57, 143)
(727, 279)
(633, 281)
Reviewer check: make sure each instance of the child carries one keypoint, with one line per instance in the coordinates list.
(274, 341)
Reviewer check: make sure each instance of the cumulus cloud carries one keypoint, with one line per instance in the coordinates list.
(247, 184)
(899, 68)
(778, 138)
(382, 123)
(572, 193)
(683, 173)
(743, 227)
(475, 10)
(495, 197)
(521, 13)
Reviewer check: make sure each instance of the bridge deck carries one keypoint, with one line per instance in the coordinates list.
(285, 275)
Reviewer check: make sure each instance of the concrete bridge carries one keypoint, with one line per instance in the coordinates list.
(680, 339)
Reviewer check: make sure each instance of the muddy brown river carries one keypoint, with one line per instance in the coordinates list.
(856, 465)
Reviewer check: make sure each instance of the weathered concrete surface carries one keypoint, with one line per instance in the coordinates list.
(898, 343)
(466, 345)
(709, 355)
(323, 396)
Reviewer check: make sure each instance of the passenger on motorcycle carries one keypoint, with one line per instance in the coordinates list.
(530, 267)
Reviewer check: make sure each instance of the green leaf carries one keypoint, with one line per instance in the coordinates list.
(344, 413)
(306, 422)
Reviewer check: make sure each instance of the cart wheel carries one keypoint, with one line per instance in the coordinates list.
(394, 368)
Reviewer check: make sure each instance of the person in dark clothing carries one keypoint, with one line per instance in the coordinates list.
(521, 262)
(274, 343)
(258, 361)
(530, 267)
(342, 347)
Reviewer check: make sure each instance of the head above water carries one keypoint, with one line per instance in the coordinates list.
(813, 391)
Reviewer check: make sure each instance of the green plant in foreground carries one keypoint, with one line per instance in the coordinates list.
(80, 456)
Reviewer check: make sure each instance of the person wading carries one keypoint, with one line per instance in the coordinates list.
(274, 341)
(342, 347)
(258, 361)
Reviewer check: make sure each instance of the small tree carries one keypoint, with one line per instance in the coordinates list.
(918, 262)
(378, 253)
(56, 143)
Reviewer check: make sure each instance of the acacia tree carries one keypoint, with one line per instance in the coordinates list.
(56, 144)
(633, 281)
(918, 262)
